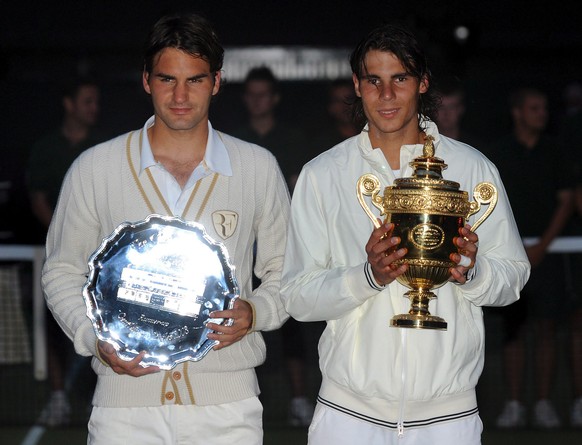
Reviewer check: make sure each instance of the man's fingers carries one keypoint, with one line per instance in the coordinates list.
(131, 367)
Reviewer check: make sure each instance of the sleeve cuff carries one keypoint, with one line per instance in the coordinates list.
(370, 278)
(98, 355)
(471, 273)
(360, 282)
(254, 315)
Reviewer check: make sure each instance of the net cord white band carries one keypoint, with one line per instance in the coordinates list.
(34, 254)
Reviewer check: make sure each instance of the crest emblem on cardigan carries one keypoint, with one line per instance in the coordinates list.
(225, 222)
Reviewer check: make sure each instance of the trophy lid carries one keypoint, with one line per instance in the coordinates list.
(427, 170)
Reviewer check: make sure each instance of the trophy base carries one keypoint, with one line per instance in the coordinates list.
(418, 322)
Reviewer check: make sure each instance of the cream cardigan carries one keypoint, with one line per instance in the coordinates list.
(99, 192)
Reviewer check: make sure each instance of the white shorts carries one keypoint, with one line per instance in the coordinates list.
(230, 423)
(330, 426)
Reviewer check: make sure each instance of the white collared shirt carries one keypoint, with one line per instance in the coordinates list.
(216, 160)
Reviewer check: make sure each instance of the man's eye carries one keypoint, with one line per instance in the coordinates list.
(373, 81)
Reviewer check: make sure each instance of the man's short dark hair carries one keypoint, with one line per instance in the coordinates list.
(340, 83)
(451, 86)
(517, 97)
(190, 33)
(265, 74)
(403, 44)
(72, 86)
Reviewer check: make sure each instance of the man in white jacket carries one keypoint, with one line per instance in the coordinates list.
(176, 164)
(381, 384)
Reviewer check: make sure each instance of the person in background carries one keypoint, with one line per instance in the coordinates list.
(50, 158)
(450, 113)
(384, 385)
(570, 143)
(541, 194)
(575, 308)
(261, 97)
(572, 98)
(176, 165)
(52, 155)
(339, 124)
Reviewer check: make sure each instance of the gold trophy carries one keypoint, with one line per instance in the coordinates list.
(427, 212)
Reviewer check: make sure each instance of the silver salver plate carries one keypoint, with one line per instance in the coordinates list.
(152, 286)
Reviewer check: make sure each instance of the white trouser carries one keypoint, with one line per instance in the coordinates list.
(230, 423)
(330, 426)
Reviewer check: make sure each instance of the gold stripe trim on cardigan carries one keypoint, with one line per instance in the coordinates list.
(188, 385)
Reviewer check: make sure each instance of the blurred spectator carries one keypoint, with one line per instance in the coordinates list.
(449, 116)
(571, 146)
(572, 97)
(261, 96)
(50, 158)
(541, 196)
(340, 124)
(52, 155)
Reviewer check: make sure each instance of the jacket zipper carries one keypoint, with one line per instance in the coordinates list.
(400, 424)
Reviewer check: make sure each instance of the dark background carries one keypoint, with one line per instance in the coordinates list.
(510, 44)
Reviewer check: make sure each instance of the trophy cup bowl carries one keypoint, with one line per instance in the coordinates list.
(427, 212)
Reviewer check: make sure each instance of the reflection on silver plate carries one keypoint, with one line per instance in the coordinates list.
(152, 286)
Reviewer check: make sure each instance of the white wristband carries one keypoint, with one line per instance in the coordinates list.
(465, 261)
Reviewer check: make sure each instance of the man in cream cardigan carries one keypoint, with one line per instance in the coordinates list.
(178, 165)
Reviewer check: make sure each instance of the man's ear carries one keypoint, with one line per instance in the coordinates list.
(356, 84)
(145, 78)
(217, 80)
(423, 86)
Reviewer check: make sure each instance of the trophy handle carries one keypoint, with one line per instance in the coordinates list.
(484, 193)
(369, 185)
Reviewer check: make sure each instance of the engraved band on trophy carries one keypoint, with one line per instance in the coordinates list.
(427, 212)
(152, 286)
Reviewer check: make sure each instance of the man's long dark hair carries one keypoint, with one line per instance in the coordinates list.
(187, 32)
(401, 43)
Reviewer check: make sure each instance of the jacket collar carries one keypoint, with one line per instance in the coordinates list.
(375, 157)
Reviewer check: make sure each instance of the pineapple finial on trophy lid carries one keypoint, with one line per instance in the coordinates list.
(428, 165)
(428, 148)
